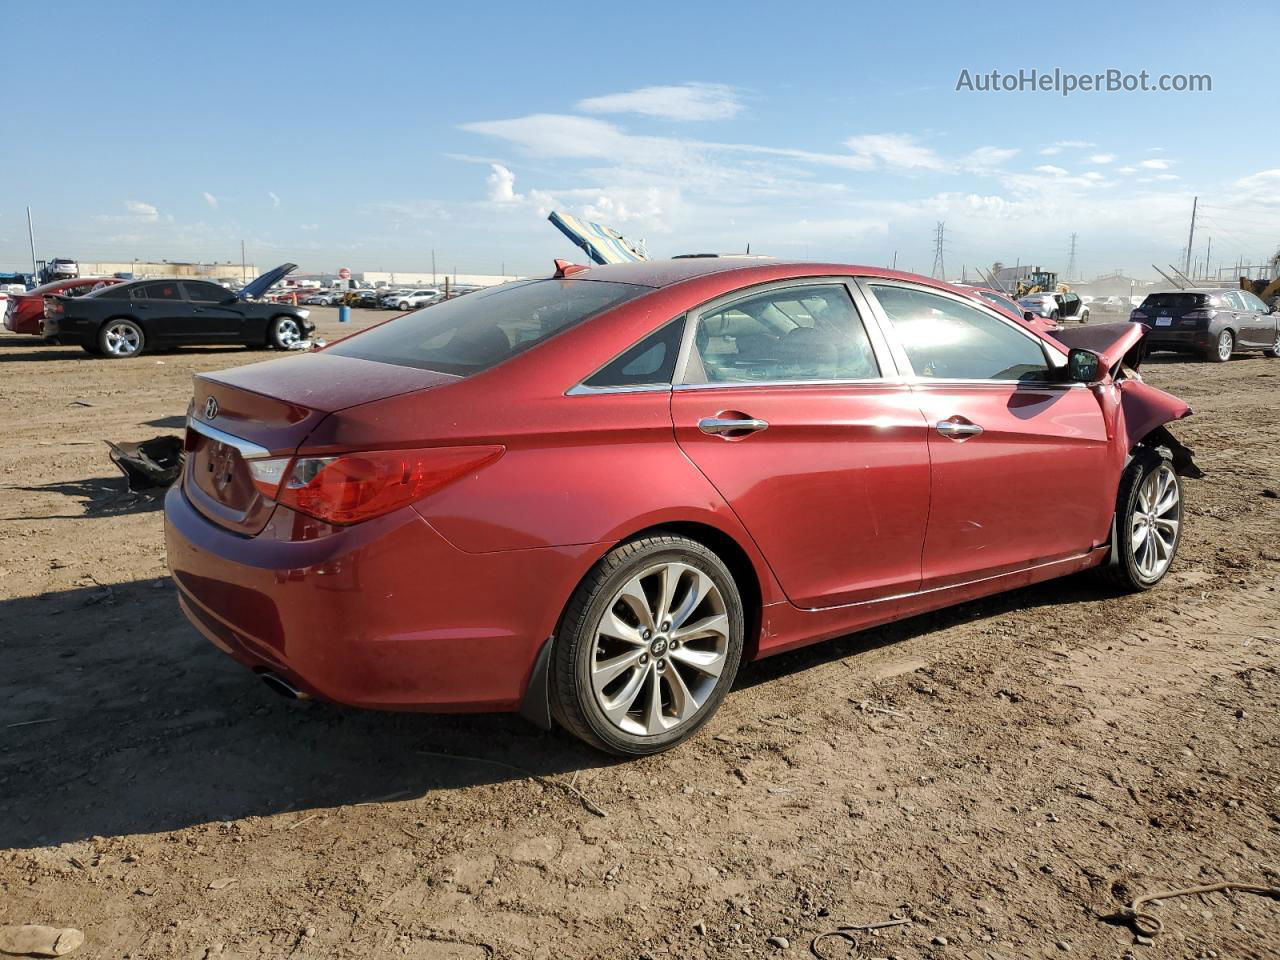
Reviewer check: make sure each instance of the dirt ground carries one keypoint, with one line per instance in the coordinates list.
(999, 773)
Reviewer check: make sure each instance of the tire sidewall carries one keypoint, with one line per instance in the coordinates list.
(1217, 346)
(574, 640)
(102, 350)
(1143, 465)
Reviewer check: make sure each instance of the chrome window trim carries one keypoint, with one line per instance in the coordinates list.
(1054, 354)
(582, 390)
(879, 346)
(246, 448)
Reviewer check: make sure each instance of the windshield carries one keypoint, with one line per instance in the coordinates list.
(473, 333)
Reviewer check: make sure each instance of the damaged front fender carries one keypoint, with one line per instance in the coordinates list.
(1143, 410)
(1144, 413)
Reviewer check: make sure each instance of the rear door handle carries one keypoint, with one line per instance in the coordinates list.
(723, 426)
(957, 430)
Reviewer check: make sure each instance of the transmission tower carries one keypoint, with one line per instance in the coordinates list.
(939, 238)
(1071, 260)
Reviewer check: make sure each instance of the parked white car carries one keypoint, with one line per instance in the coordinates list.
(412, 299)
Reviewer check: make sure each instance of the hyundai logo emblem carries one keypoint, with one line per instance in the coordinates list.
(210, 409)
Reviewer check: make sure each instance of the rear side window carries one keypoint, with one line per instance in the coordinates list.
(112, 292)
(810, 332)
(651, 361)
(949, 340)
(473, 333)
(159, 291)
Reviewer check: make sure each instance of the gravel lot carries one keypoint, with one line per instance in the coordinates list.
(999, 773)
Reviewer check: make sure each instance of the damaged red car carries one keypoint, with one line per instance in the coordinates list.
(593, 497)
(25, 312)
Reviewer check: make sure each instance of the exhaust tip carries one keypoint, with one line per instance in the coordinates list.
(283, 686)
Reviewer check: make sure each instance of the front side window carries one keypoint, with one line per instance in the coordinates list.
(1253, 302)
(469, 334)
(811, 332)
(205, 292)
(948, 340)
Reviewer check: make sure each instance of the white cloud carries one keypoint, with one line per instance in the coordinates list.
(985, 159)
(1102, 158)
(898, 151)
(1126, 169)
(275, 201)
(142, 211)
(1166, 176)
(1059, 146)
(1155, 164)
(684, 102)
(1093, 175)
(1051, 170)
(308, 226)
(210, 199)
(502, 185)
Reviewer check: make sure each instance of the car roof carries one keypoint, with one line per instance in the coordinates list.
(664, 273)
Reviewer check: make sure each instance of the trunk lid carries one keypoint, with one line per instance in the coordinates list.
(267, 410)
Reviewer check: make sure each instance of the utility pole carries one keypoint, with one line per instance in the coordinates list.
(1071, 260)
(31, 236)
(895, 261)
(939, 238)
(244, 272)
(1191, 236)
(433, 266)
(1207, 251)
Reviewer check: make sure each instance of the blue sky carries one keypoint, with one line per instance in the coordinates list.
(367, 136)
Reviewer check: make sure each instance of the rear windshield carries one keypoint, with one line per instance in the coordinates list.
(1176, 301)
(475, 332)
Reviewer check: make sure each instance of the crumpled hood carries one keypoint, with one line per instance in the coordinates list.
(1112, 342)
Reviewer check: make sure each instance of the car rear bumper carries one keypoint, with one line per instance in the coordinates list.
(386, 614)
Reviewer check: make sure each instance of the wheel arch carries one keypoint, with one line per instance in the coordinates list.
(535, 704)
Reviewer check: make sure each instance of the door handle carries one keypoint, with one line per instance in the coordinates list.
(956, 430)
(723, 426)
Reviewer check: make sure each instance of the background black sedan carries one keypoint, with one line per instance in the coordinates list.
(123, 320)
(1213, 322)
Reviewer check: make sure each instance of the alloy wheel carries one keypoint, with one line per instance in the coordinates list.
(1153, 530)
(287, 332)
(1225, 344)
(122, 340)
(659, 649)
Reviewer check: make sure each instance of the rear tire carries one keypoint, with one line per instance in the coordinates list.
(1221, 349)
(121, 338)
(1148, 522)
(1084, 315)
(648, 646)
(1273, 351)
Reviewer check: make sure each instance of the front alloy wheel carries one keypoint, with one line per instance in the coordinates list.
(1274, 350)
(285, 332)
(1223, 347)
(648, 647)
(1148, 521)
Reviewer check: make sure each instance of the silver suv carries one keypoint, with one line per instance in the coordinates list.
(1055, 306)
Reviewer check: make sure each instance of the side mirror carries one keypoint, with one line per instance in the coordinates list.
(1084, 366)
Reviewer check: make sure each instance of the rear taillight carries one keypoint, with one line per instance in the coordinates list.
(359, 486)
(1199, 314)
(1137, 315)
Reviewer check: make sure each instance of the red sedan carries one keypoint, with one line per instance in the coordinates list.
(591, 497)
(25, 311)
